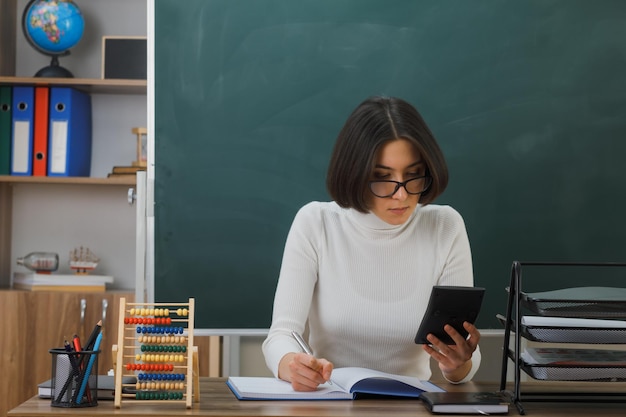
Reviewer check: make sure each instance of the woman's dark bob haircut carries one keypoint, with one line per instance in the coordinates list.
(374, 122)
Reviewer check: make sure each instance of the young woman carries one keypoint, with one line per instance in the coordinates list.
(357, 272)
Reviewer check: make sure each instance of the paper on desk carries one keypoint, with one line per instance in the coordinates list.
(260, 388)
(575, 356)
(572, 322)
(574, 330)
(561, 364)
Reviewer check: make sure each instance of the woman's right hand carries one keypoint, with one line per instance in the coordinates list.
(304, 371)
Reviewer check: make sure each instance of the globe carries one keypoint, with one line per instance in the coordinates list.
(53, 27)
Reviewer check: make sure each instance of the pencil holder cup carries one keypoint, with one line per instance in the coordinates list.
(74, 378)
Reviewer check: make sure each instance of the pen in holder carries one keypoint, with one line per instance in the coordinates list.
(74, 378)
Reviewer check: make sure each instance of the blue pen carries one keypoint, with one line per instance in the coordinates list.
(92, 359)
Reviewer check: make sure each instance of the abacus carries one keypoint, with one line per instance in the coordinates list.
(155, 345)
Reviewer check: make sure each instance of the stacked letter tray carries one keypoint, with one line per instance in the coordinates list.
(574, 364)
(575, 373)
(584, 302)
(573, 330)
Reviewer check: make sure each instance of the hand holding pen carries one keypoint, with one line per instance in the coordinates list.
(307, 371)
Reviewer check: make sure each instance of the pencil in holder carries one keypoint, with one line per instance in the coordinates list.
(74, 378)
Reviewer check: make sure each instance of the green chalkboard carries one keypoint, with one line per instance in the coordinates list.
(527, 98)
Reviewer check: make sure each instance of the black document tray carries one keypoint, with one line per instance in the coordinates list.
(562, 334)
(547, 372)
(583, 302)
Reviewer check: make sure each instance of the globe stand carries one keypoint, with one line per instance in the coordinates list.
(54, 70)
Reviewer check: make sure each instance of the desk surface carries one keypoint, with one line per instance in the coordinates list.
(217, 400)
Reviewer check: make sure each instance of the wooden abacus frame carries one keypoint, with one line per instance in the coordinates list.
(146, 317)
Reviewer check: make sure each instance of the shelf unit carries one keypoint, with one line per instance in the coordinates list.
(121, 180)
(88, 85)
(91, 86)
(561, 307)
(27, 334)
(70, 205)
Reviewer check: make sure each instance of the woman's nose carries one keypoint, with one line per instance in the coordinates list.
(400, 193)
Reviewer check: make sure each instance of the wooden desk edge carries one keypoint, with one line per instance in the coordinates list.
(217, 400)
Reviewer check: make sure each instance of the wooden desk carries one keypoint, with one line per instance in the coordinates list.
(217, 400)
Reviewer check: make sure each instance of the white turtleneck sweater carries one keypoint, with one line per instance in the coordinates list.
(362, 285)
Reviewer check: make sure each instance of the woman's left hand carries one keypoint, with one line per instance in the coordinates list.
(454, 360)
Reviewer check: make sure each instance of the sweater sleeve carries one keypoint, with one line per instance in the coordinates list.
(296, 283)
(457, 265)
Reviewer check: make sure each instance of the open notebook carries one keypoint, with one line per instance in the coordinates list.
(347, 384)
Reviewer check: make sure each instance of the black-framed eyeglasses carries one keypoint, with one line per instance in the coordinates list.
(387, 188)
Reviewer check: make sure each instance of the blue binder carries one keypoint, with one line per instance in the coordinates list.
(22, 131)
(6, 119)
(69, 138)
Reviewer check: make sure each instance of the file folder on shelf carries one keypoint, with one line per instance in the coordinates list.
(5, 129)
(40, 136)
(69, 138)
(22, 132)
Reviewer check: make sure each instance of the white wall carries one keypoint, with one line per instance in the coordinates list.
(59, 218)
